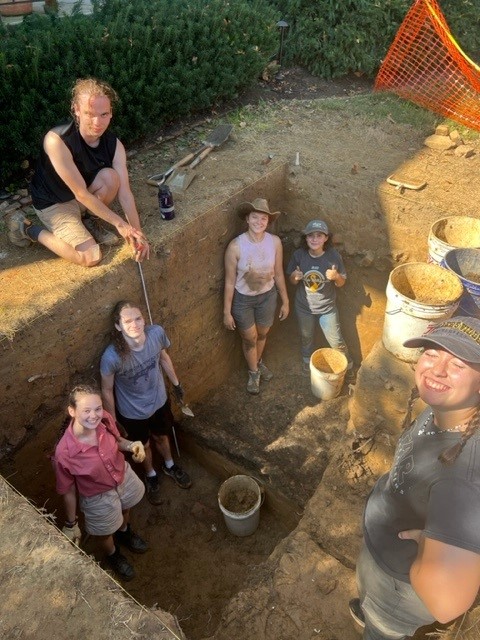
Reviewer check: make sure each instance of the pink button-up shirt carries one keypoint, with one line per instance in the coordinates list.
(94, 468)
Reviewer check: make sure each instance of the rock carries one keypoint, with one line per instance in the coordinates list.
(456, 137)
(13, 206)
(442, 130)
(23, 193)
(439, 143)
(400, 256)
(464, 151)
(26, 200)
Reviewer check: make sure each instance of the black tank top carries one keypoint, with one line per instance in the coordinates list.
(48, 188)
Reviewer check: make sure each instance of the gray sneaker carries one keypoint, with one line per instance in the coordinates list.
(100, 234)
(265, 373)
(17, 223)
(253, 384)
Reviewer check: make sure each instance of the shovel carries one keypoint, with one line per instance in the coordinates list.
(179, 179)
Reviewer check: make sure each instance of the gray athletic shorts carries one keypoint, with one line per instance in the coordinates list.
(254, 310)
(103, 512)
(64, 220)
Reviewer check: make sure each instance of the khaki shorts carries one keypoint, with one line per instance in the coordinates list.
(103, 512)
(64, 220)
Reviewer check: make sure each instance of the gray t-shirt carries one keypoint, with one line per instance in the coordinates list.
(422, 493)
(139, 385)
(315, 294)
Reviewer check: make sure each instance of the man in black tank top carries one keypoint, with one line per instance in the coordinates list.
(82, 168)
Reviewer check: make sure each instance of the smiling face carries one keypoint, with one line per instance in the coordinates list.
(131, 323)
(315, 241)
(445, 382)
(87, 411)
(257, 221)
(93, 114)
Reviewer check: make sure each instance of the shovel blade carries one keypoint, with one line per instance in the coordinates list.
(187, 411)
(180, 180)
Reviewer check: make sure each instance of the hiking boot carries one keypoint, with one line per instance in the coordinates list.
(180, 476)
(120, 565)
(99, 233)
(356, 612)
(265, 373)
(153, 489)
(130, 540)
(253, 384)
(17, 223)
(350, 376)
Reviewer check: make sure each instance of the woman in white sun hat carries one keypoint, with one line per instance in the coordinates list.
(253, 277)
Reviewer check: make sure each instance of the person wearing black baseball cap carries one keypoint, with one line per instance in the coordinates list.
(420, 561)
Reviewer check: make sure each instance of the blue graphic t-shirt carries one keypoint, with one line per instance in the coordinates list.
(315, 294)
(139, 385)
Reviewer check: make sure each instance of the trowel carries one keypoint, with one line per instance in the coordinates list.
(186, 409)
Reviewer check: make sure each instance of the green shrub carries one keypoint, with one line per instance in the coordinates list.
(165, 58)
(332, 38)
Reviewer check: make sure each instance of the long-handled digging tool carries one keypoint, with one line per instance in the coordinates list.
(215, 139)
(182, 176)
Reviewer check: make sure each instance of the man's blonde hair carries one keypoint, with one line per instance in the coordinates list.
(92, 87)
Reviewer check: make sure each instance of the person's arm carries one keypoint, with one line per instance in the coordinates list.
(280, 279)
(107, 394)
(126, 199)
(446, 578)
(167, 366)
(70, 504)
(63, 163)
(231, 261)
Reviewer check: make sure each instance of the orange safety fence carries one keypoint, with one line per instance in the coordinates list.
(425, 65)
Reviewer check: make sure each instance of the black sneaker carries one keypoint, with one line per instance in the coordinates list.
(153, 490)
(120, 565)
(356, 612)
(130, 540)
(99, 233)
(180, 476)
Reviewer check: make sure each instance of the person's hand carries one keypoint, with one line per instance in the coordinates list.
(297, 275)
(411, 534)
(178, 391)
(73, 533)
(142, 249)
(228, 321)
(332, 273)
(138, 451)
(135, 239)
(284, 311)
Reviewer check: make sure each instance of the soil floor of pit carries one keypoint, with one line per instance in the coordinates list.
(194, 566)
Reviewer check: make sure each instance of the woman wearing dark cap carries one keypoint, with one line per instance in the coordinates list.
(253, 276)
(420, 560)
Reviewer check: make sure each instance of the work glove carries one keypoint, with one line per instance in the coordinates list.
(138, 451)
(73, 533)
(178, 391)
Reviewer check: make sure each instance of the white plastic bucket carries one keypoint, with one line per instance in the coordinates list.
(239, 499)
(465, 263)
(454, 232)
(419, 296)
(327, 372)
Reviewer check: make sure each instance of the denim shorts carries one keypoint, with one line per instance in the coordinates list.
(248, 311)
(103, 512)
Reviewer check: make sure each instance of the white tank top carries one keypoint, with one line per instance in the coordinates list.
(256, 265)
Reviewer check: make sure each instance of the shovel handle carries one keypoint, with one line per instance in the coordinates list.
(158, 179)
(200, 157)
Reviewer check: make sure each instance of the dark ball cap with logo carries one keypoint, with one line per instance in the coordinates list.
(460, 336)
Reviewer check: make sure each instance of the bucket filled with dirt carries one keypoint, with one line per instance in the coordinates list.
(419, 296)
(465, 263)
(239, 499)
(327, 372)
(454, 232)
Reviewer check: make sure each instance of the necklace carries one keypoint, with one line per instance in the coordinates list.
(428, 427)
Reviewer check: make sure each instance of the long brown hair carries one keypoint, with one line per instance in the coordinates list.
(118, 341)
(448, 456)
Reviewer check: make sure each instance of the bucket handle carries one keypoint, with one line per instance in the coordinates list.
(393, 313)
(261, 486)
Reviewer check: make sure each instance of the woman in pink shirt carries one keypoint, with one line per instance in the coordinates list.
(253, 278)
(90, 468)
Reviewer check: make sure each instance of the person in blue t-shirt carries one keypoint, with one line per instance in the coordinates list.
(316, 269)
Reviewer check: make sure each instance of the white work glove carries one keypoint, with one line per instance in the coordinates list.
(73, 533)
(138, 451)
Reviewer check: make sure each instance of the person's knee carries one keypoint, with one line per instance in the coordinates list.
(90, 257)
(249, 343)
(106, 185)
